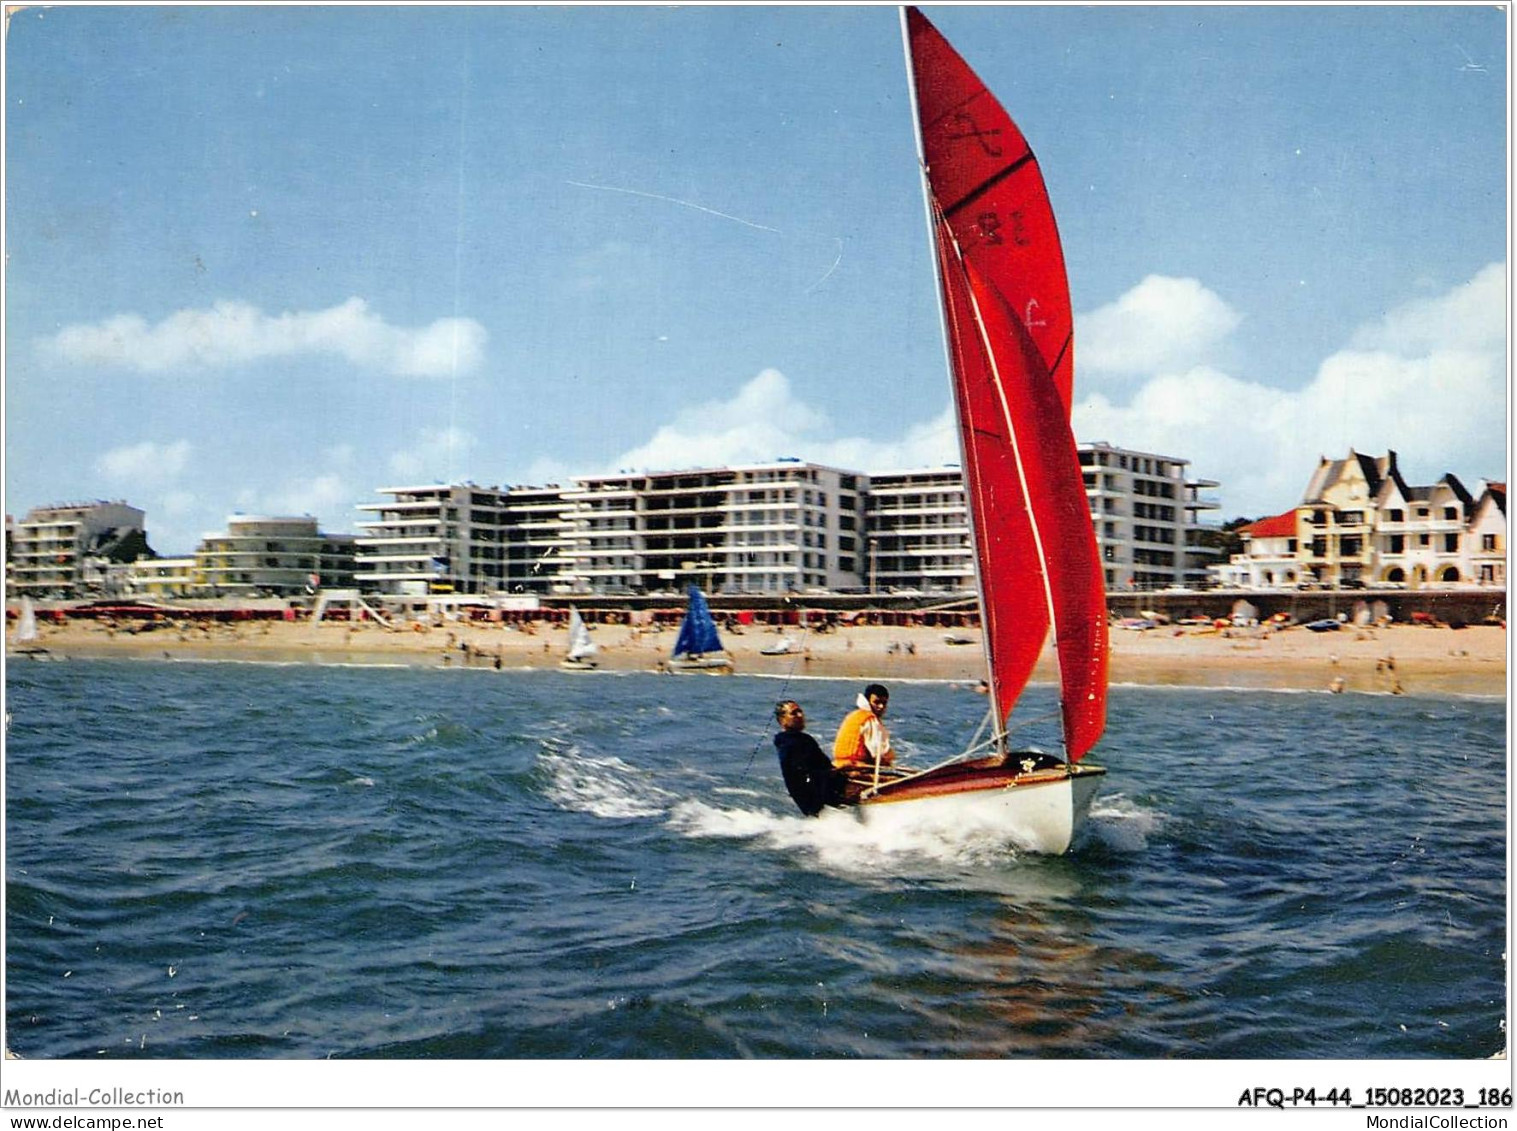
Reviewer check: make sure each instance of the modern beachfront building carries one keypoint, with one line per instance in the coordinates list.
(918, 533)
(772, 528)
(1360, 523)
(439, 538)
(537, 530)
(1147, 516)
(764, 529)
(260, 555)
(52, 549)
(460, 538)
(1145, 509)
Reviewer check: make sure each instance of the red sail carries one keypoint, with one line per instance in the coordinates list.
(1014, 607)
(1045, 460)
(988, 184)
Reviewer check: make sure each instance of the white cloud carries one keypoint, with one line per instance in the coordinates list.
(145, 465)
(177, 503)
(236, 333)
(1161, 324)
(1427, 381)
(434, 457)
(322, 496)
(1471, 316)
(765, 420)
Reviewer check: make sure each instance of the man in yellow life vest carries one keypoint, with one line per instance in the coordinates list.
(863, 738)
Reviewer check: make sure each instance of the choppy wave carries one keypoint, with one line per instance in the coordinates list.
(211, 860)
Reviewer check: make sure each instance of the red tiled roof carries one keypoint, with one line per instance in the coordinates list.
(1279, 526)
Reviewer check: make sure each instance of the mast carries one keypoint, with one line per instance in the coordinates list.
(930, 211)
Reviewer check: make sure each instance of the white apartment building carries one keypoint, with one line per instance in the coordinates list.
(765, 528)
(919, 541)
(1144, 508)
(1146, 513)
(439, 538)
(771, 528)
(50, 549)
(261, 555)
(464, 539)
(537, 529)
(1147, 516)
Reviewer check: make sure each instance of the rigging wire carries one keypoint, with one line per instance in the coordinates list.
(784, 688)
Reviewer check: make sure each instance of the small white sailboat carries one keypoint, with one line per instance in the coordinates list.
(25, 637)
(1008, 330)
(698, 648)
(781, 647)
(583, 651)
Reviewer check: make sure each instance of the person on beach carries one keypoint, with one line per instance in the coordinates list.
(808, 773)
(862, 740)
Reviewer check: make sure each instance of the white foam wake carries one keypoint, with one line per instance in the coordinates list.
(603, 787)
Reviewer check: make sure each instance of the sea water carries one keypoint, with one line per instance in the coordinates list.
(260, 861)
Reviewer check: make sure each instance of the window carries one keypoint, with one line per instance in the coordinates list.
(1451, 543)
(1488, 543)
(1396, 516)
(1450, 514)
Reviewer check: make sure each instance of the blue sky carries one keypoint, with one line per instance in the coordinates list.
(271, 259)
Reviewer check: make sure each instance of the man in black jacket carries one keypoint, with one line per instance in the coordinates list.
(809, 774)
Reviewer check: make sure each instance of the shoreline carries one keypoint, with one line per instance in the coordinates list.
(1395, 659)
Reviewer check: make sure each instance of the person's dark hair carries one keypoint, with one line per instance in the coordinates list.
(876, 689)
(779, 707)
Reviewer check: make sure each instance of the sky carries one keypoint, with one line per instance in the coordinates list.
(270, 260)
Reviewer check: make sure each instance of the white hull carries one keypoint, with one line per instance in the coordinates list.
(1038, 812)
(711, 665)
(570, 665)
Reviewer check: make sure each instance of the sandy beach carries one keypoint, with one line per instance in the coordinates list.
(1398, 658)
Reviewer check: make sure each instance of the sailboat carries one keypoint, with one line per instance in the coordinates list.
(25, 635)
(582, 650)
(698, 648)
(1008, 332)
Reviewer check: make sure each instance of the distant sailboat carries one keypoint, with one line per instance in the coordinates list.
(24, 636)
(1006, 316)
(698, 648)
(582, 650)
